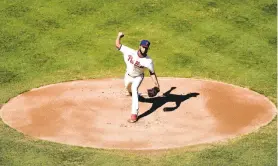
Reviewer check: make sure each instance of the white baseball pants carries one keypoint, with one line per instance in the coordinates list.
(132, 84)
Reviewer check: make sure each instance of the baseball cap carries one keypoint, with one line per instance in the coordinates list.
(145, 43)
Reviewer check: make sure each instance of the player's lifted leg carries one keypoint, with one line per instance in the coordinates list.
(128, 83)
(128, 89)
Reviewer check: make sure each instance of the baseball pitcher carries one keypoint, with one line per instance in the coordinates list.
(136, 61)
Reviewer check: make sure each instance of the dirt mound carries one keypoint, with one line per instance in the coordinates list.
(94, 113)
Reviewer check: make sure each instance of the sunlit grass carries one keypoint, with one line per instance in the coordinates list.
(44, 42)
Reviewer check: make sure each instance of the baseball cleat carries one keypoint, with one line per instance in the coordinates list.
(133, 118)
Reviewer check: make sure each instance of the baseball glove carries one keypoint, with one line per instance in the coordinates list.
(153, 91)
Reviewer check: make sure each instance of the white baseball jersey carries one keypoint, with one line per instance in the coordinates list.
(134, 64)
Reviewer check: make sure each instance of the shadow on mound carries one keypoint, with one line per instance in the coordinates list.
(157, 102)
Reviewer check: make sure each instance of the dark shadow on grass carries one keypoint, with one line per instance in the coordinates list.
(7, 76)
(270, 8)
(157, 102)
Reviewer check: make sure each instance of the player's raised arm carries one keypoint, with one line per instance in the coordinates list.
(118, 40)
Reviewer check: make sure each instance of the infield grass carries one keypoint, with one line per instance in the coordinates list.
(43, 42)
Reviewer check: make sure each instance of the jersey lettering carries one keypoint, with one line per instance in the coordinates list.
(130, 59)
(136, 64)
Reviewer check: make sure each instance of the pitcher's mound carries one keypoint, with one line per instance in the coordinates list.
(94, 113)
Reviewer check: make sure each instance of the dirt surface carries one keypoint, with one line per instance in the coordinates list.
(94, 113)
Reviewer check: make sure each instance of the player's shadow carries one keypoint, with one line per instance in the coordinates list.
(159, 101)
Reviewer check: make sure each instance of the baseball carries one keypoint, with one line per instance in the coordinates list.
(121, 34)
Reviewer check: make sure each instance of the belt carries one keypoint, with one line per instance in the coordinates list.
(136, 76)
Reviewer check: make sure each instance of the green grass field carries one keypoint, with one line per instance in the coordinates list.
(43, 42)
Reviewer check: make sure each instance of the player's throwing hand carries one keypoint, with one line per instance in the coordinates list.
(121, 34)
